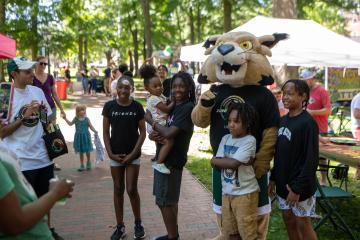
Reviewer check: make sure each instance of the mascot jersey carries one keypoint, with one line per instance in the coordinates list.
(268, 116)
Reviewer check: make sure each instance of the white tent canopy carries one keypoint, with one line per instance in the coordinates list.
(310, 44)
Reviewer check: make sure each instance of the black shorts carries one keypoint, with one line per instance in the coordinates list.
(167, 187)
(39, 179)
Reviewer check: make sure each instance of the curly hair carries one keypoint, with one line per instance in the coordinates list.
(301, 88)
(147, 72)
(189, 82)
(246, 113)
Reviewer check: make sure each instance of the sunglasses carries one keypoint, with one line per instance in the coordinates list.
(43, 64)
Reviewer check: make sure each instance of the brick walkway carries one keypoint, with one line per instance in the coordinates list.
(90, 213)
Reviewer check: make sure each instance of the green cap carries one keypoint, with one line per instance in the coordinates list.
(19, 63)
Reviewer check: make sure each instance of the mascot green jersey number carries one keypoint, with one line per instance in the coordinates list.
(237, 60)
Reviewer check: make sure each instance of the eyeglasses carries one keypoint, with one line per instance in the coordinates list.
(43, 63)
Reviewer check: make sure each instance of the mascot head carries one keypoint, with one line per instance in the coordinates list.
(239, 58)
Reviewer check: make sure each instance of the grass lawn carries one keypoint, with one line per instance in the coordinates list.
(199, 165)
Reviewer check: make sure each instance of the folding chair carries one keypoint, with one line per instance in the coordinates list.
(324, 196)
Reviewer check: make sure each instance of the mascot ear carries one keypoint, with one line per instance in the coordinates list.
(271, 40)
(211, 41)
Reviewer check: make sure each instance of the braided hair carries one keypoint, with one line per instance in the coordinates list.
(189, 82)
(246, 113)
(147, 72)
(301, 88)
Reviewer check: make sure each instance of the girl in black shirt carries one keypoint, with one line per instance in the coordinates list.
(295, 162)
(125, 116)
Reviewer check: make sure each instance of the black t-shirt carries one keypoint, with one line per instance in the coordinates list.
(124, 122)
(107, 72)
(167, 87)
(296, 156)
(67, 74)
(259, 97)
(180, 117)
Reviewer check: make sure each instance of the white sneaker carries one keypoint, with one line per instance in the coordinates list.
(161, 168)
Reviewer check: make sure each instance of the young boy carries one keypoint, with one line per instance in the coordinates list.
(239, 185)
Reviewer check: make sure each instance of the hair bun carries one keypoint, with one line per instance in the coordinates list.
(147, 71)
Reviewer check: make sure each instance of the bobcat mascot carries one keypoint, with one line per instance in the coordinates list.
(237, 60)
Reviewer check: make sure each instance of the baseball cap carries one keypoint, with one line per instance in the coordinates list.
(19, 63)
(306, 74)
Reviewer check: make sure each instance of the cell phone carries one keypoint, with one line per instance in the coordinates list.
(43, 114)
(5, 95)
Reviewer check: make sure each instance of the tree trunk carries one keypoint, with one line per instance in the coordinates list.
(198, 23)
(80, 51)
(178, 25)
(147, 27)
(86, 52)
(108, 56)
(131, 61)
(227, 15)
(285, 9)
(136, 50)
(2, 29)
(192, 27)
(34, 29)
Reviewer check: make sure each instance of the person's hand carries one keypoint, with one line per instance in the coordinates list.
(271, 189)
(292, 198)
(250, 162)
(156, 137)
(212, 163)
(96, 132)
(117, 157)
(32, 109)
(127, 159)
(63, 114)
(62, 188)
(148, 117)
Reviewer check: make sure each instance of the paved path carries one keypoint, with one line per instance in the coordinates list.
(90, 213)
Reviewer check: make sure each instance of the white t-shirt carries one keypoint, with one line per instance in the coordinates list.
(241, 181)
(355, 103)
(157, 115)
(27, 142)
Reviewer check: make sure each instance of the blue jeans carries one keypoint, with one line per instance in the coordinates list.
(85, 83)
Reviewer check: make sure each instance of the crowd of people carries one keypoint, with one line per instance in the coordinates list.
(26, 196)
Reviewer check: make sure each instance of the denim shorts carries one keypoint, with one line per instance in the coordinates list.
(117, 164)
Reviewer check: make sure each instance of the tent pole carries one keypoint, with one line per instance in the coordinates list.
(326, 78)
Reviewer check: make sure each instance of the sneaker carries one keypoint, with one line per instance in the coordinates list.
(55, 235)
(160, 167)
(139, 232)
(88, 165)
(165, 237)
(119, 233)
(82, 168)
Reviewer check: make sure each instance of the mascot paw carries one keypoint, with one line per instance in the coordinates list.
(207, 99)
(259, 171)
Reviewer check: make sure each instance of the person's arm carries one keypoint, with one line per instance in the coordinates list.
(137, 149)
(166, 132)
(106, 137)
(9, 129)
(225, 163)
(57, 100)
(164, 107)
(16, 219)
(308, 172)
(91, 126)
(68, 122)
